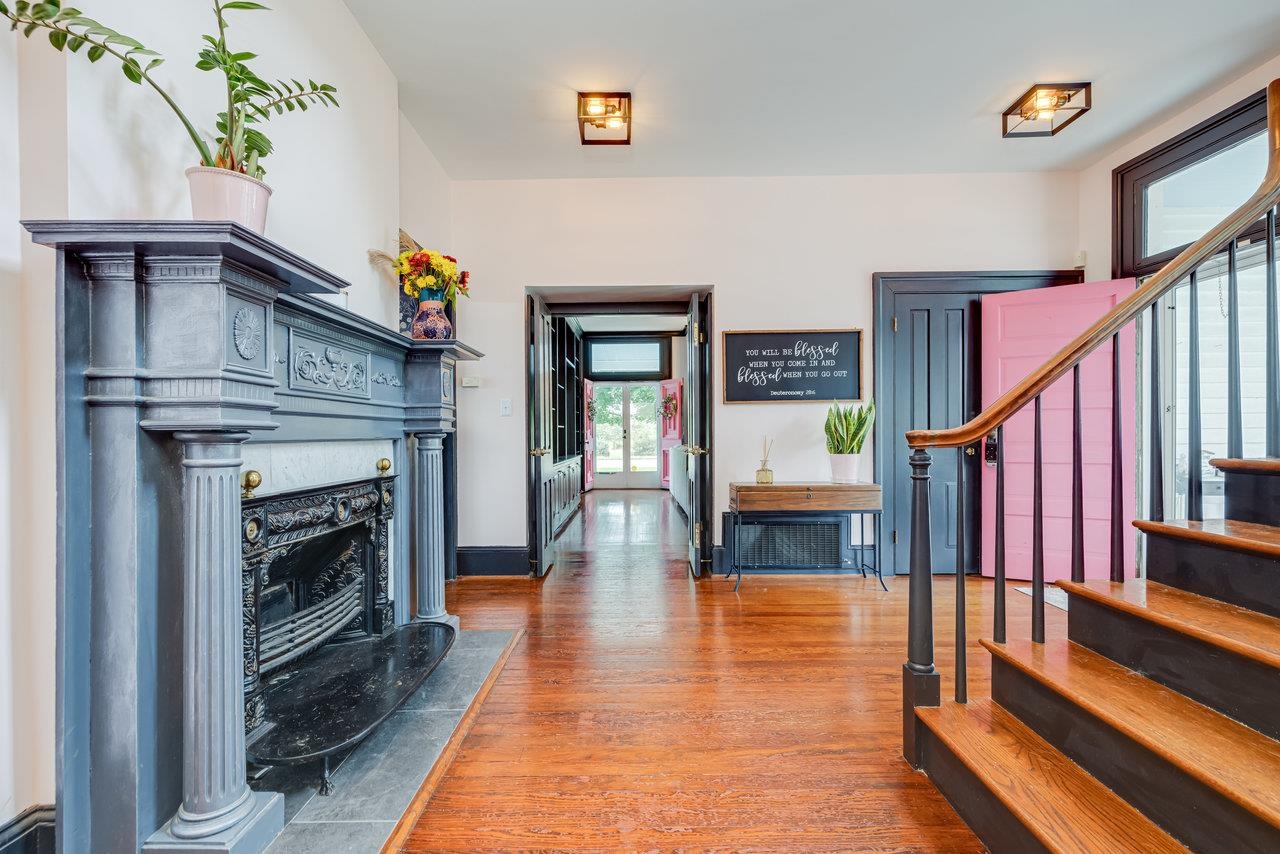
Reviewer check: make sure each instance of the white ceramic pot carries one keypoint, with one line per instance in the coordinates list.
(220, 195)
(844, 467)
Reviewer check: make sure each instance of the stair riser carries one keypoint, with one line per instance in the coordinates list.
(999, 829)
(1248, 580)
(1151, 784)
(1237, 686)
(1253, 497)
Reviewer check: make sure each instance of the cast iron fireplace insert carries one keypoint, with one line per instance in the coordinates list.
(324, 663)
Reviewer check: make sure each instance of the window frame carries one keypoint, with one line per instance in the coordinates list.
(663, 372)
(1130, 180)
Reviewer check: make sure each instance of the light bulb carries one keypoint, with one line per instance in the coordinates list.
(1044, 115)
(613, 123)
(1046, 99)
(595, 107)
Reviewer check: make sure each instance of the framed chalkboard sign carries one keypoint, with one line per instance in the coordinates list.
(803, 365)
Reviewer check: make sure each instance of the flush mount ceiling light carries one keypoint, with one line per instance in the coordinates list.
(1047, 108)
(604, 118)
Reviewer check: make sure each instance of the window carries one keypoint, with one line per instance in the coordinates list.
(1170, 196)
(1165, 200)
(628, 358)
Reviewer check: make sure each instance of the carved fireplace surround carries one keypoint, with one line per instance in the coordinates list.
(179, 342)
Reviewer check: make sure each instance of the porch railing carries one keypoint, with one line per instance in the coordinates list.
(921, 680)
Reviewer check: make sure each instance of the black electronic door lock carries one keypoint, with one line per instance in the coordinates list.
(990, 449)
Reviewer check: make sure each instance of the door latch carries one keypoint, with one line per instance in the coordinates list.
(990, 449)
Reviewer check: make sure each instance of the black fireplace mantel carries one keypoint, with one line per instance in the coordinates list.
(178, 342)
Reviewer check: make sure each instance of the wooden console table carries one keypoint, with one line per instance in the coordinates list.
(807, 499)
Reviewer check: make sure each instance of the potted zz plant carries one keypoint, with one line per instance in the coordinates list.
(227, 184)
(846, 430)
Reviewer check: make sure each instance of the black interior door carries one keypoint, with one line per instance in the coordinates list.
(935, 356)
(697, 432)
(541, 393)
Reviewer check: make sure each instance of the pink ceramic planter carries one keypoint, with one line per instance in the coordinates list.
(220, 194)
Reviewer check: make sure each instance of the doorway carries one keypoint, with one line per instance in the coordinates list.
(625, 433)
(928, 347)
(626, 382)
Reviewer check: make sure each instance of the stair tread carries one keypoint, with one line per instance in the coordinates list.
(1240, 763)
(1066, 808)
(1229, 627)
(1264, 465)
(1227, 533)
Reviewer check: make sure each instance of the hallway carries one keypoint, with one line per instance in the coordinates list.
(644, 709)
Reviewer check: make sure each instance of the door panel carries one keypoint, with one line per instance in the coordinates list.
(542, 472)
(934, 357)
(588, 436)
(626, 436)
(1020, 331)
(697, 432)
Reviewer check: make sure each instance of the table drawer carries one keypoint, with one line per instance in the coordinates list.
(752, 498)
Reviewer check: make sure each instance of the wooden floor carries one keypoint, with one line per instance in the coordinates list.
(645, 710)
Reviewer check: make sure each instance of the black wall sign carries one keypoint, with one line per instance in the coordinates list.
(793, 367)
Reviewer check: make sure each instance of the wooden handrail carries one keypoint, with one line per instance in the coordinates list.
(1035, 383)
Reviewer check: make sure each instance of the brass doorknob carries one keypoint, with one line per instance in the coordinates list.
(969, 450)
(696, 451)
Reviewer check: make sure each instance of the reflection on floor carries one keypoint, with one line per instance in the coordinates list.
(647, 710)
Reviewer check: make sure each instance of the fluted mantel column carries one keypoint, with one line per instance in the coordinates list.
(219, 812)
(428, 530)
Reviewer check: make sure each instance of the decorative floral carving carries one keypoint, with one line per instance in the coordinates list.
(330, 370)
(387, 379)
(246, 332)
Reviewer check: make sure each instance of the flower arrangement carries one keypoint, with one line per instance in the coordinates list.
(669, 406)
(431, 276)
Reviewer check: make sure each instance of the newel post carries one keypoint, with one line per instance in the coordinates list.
(921, 685)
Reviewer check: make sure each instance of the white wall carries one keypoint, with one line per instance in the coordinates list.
(779, 253)
(88, 144)
(1095, 182)
(424, 193)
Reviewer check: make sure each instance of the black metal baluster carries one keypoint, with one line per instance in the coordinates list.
(920, 679)
(1117, 467)
(998, 629)
(1273, 345)
(1195, 474)
(1155, 479)
(1037, 535)
(962, 660)
(1235, 419)
(1077, 481)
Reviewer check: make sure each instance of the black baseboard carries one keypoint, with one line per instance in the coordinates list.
(493, 560)
(29, 832)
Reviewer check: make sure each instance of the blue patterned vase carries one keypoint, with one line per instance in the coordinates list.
(430, 324)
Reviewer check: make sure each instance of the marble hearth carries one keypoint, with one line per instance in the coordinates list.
(181, 344)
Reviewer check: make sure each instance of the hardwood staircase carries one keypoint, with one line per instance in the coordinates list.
(1155, 724)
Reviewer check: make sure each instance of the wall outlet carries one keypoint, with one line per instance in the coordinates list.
(471, 382)
(504, 407)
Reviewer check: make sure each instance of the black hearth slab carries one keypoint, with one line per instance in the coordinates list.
(335, 697)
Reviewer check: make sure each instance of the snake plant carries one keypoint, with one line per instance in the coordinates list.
(847, 427)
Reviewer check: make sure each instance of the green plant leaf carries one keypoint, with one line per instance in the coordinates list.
(159, 60)
(58, 39)
(95, 52)
(75, 43)
(4, 10)
(131, 71)
(244, 5)
(29, 29)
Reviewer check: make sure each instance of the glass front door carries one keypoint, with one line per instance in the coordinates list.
(626, 436)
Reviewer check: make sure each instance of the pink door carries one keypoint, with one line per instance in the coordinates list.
(1020, 331)
(670, 434)
(588, 436)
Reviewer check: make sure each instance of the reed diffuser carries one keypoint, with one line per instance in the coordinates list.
(764, 474)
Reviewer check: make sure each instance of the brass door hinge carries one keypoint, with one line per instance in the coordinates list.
(895, 323)
(894, 537)
(697, 535)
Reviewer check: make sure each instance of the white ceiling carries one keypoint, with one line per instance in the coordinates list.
(632, 323)
(801, 87)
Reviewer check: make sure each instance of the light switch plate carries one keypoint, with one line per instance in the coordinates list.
(471, 382)
(504, 406)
